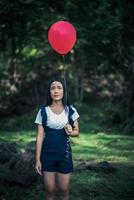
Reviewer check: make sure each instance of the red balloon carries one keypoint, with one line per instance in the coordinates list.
(62, 37)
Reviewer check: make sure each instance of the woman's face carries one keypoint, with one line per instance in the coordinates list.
(56, 91)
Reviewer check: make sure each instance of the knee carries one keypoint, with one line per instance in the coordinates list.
(50, 191)
(64, 191)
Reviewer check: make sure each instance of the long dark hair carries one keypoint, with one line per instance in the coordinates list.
(48, 96)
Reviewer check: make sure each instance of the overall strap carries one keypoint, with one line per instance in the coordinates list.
(71, 112)
(44, 116)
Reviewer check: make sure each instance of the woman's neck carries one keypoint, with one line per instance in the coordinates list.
(57, 107)
(57, 103)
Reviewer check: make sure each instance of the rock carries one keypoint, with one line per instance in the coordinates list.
(13, 160)
(81, 165)
(106, 167)
(22, 172)
(103, 166)
(31, 147)
(2, 196)
(7, 150)
(91, 167)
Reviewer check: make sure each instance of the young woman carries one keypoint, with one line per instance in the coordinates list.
(57, 121)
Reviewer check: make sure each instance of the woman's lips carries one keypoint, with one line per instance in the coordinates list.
(56, 95)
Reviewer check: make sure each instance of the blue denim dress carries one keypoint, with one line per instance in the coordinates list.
(56, 155)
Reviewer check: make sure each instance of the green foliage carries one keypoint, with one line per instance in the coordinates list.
(104, 46)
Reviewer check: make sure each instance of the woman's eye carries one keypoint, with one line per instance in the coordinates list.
(53, 88)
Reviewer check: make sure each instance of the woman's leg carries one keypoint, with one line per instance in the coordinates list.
(50, 185)
(63, 185)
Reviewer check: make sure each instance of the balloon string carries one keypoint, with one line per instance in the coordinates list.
(63, 57)
(64, 75)
(64, 71)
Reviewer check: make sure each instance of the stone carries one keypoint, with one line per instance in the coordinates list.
(7, 150)
(22, 172)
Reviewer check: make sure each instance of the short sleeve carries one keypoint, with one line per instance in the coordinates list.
(38, 119)
(75, 115)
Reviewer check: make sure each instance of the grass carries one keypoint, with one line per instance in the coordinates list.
(93, 145)
(86, 184)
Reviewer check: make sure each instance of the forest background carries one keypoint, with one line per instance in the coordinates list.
(99, 72)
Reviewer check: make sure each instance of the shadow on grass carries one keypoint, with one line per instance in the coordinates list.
(84, 185)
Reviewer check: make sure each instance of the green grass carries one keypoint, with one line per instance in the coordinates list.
(86, 184)
(105, 147)
(93, 145)
(20, 138)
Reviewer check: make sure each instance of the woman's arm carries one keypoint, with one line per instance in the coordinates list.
(39, 140)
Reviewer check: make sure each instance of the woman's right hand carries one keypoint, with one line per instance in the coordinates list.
(38, 167)
(68, 129)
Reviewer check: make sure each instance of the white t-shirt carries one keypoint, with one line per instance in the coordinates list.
(56, 121)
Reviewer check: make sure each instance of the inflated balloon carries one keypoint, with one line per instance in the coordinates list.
(62, 37)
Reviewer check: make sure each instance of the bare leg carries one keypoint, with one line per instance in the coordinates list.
(50, 185)
(63, 185)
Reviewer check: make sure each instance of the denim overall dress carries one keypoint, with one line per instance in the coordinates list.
(56, 153)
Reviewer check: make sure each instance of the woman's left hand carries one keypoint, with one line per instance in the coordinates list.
(68, 129)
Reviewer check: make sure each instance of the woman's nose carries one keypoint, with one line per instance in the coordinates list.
(56, 90)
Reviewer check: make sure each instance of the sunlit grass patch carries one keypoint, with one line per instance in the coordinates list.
(20, 138)
(103, 147)
(92, 147)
